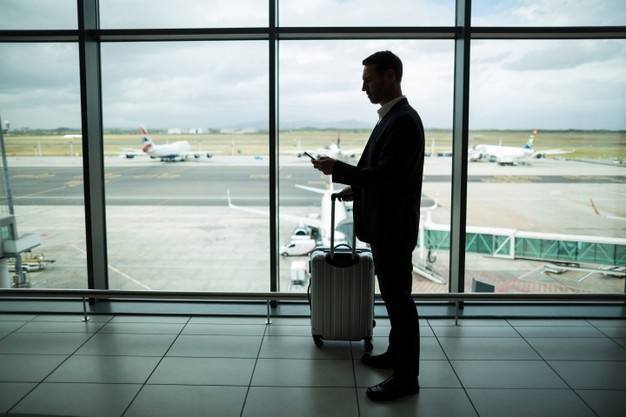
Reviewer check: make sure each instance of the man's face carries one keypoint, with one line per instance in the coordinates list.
(374, 85)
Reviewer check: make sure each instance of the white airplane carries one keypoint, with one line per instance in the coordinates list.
(333, 150)
(171, 152)
(320, 226)
(511, 155)
(344, 223)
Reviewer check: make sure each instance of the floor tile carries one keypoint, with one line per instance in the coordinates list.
(105, 369)
(301, 402)
(487, 348)
(581, 349)
(127, 344)
(8, 326)
(528, 402)
(234, 320)
(71, 318)
(303, 373)
(43, 343)
(17, 317)
(225, 329)
(188, 401)
(61, 327)
(448, 322)
(216, 346)
(12, 392)
(614, 332)
(28, 368)
(475, 331)
(303, 347)
(507, 374)
(429, 402)
(592, 374)
(150, 319)
(142, 328)
(286, 330)
(85, 400)
(433, 374)
(548, 323)
(606, 403)
(203, 371)
(566, 331)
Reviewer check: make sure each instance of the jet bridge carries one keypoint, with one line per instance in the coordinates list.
(11, 247)
(560, 249)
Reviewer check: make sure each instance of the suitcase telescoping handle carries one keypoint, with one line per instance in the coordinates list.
(334, 197)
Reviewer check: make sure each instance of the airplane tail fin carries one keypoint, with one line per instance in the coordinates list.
(145, 139)
(531, 139)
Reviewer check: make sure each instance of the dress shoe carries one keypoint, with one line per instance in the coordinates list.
(392, 389)
(382, 361)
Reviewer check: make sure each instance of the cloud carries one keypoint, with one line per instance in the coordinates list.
(567, 55)
(514, 83)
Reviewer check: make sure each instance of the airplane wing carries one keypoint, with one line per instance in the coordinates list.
(309, 221)
(131, 153)
(543, 154)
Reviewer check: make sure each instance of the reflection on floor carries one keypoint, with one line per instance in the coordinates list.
(217, 366)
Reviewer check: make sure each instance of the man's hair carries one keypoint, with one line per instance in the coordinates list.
(384, 61)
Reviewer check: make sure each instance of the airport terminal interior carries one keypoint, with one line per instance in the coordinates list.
(188, 241)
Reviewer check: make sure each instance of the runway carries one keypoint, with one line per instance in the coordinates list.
(205, 183)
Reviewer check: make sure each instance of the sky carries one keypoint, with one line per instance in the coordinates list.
(515, 84)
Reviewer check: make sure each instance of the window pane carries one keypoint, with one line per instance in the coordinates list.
(322, 106)
(169, 224)
(530, 216)
(136, 14)
(548, 13)
(41, 121)
(38, 14)
(366, 13)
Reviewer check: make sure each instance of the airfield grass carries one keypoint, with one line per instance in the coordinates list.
(585, 144)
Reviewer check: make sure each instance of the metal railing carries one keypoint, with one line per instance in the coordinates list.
(268, 297)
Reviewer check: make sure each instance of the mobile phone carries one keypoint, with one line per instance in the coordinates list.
(309, 155)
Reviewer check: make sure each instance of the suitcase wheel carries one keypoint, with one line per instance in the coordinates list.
(368, 344)
(318, 341)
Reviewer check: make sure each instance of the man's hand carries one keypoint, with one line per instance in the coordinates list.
(324, 164)
(347, 194)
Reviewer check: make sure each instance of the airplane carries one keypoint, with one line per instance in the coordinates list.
(171, 152)
(333, 150)
(318, 227)
(607, 216)
(511, 155)
(321, 226)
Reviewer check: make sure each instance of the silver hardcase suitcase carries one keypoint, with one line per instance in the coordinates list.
(341, 292)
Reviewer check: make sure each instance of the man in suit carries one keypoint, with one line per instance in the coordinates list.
(386, 187)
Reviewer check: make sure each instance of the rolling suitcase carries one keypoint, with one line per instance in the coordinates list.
(341, 291)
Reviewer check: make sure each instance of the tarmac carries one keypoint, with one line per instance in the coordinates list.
(176, 246)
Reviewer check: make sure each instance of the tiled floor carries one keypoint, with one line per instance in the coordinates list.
(178, 366)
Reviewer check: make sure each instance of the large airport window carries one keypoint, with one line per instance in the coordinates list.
(323, 111)
(517, 13)
(545, 155)
(185, 130)
(546, 166)
(140, 14)
(366, 13)
(38, 14)
(42, 183)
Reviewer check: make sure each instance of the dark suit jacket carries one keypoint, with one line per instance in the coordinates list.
(387, 180)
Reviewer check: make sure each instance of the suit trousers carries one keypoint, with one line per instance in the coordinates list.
(394, 267)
